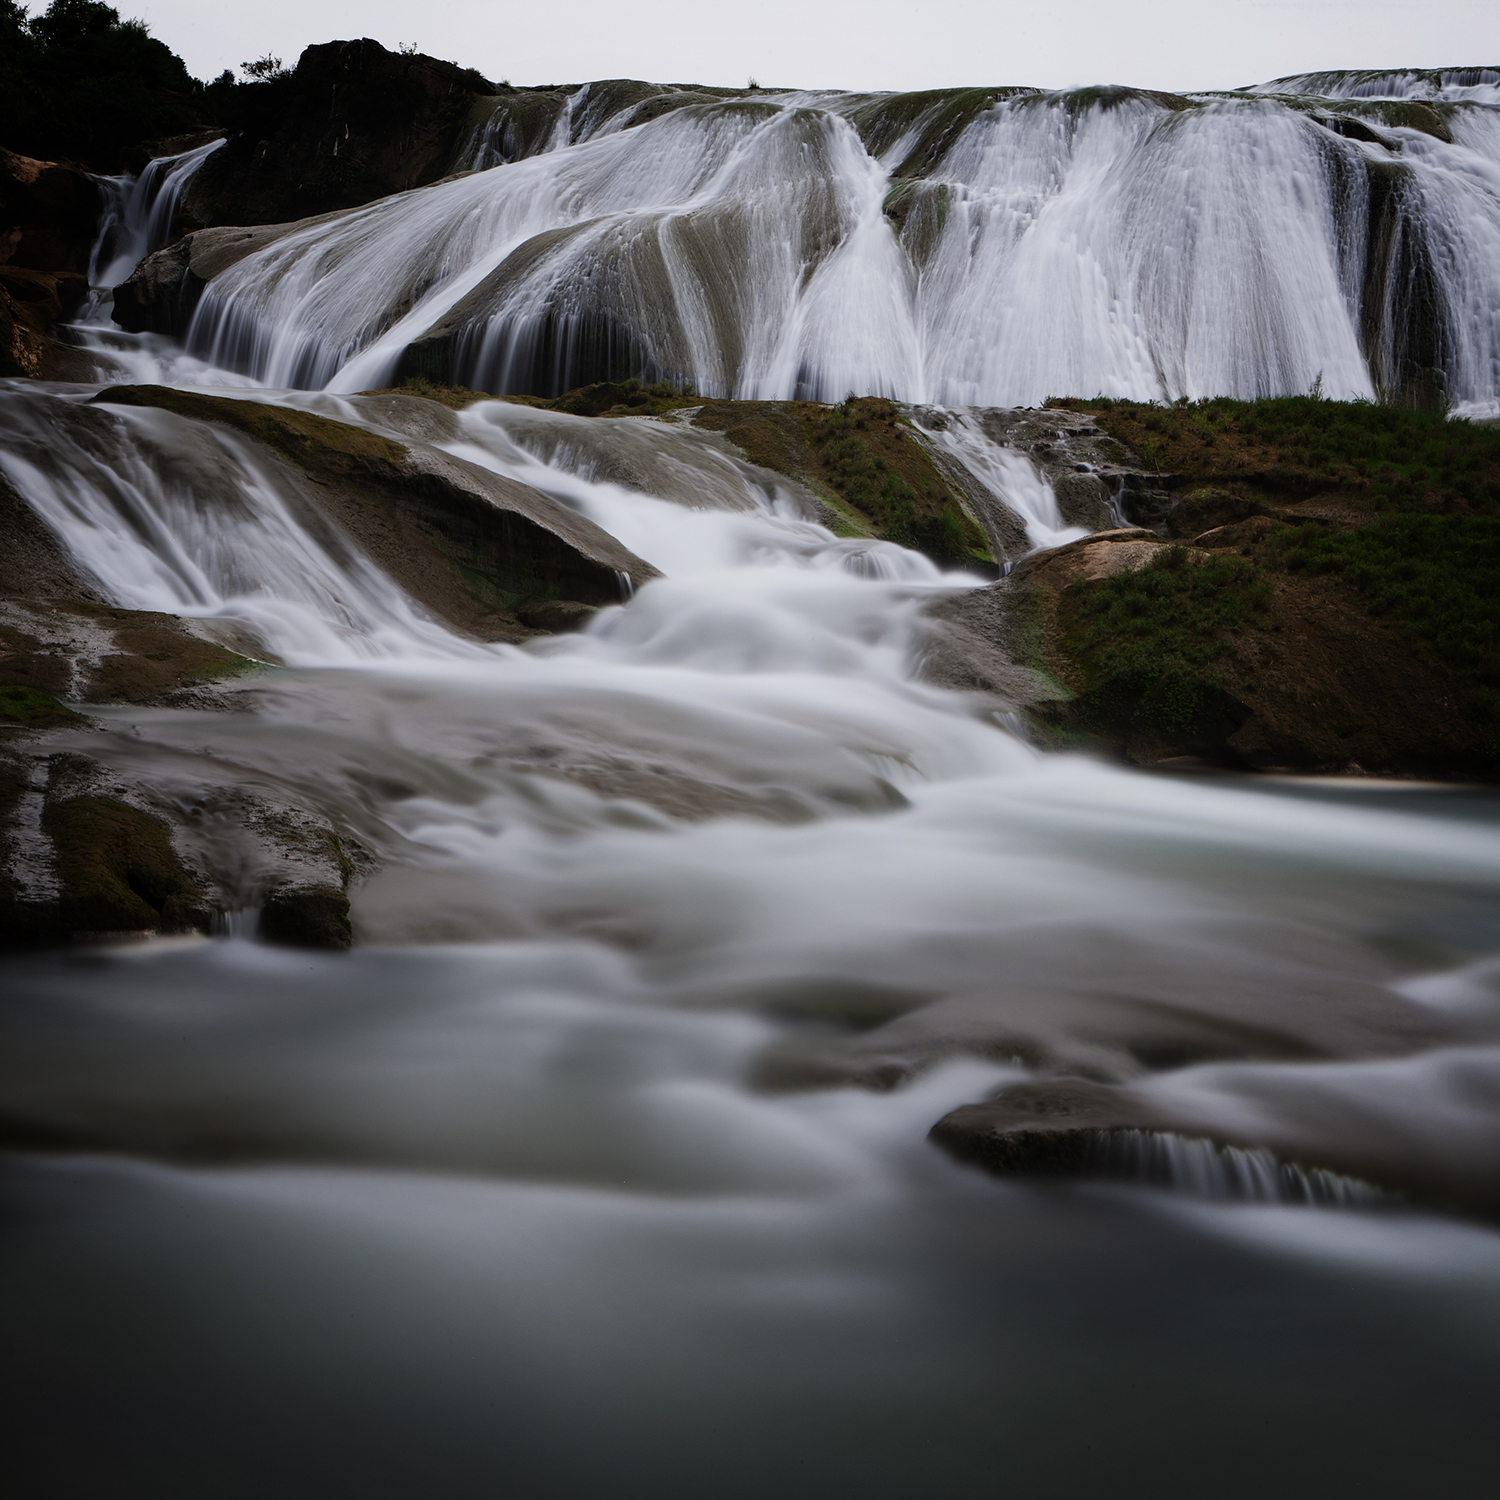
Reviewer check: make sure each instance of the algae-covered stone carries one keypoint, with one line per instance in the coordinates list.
(118, 869)
(306, 917)
(27, 708)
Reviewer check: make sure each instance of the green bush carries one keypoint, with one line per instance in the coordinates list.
(79, 83)
(1172, 614)
(1437, 575)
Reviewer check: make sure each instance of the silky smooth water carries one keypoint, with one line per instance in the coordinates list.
(963, 248)
(504, 1201)
(537, 1191)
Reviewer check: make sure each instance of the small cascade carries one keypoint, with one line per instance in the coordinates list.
(182, 517)
(1222, 1174)
(1009, 476)
(137, 218)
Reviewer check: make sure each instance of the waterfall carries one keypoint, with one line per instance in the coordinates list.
(963, 248)
(1226, 1174)
(185, 518)
(1011, 477)
(138, 213)
(600, 1163)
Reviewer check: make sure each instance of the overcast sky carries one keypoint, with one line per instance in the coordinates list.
(878, 44)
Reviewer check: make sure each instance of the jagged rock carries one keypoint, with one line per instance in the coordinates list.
(351, 123)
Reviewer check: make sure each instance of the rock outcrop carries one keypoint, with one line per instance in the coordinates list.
(466, 543)
(1301, 612)
(48, 213)
(351, 123)
(97, 846)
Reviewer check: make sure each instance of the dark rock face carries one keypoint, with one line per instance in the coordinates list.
(47, 218)
(352, 123)
(30, 303)
(48, 214)
(307, 917)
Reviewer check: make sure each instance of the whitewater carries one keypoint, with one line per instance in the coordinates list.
(964, 247)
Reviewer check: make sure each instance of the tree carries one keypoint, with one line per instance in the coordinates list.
(79, 82)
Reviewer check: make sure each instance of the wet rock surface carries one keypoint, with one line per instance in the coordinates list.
(163, 291)
(48, 215)
(464, 541)
(95, 849)
(1073, 1127)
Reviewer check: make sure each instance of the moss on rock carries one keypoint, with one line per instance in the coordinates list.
(307, 917)
(118, 869)
(29, 708)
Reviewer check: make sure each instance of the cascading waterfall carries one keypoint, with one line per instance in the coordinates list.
(968, 248)
(555, 1185)
(138, 213)
(1011, 477)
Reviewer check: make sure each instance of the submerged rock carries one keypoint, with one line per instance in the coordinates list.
(310, 916)
(1311, 1147)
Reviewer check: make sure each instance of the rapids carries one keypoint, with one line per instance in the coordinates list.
(555, 1185)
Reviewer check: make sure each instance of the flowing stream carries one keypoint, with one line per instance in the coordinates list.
(554, 1186)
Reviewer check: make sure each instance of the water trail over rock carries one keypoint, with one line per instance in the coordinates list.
(965, 248)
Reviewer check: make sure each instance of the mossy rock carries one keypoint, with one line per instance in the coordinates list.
(118, 869)
(28, 708)
(307, 917)
(860, 456)
(313, 443)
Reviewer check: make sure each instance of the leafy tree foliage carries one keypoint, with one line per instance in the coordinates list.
(78, 83)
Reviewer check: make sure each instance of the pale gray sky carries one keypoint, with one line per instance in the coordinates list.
(886, 44)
